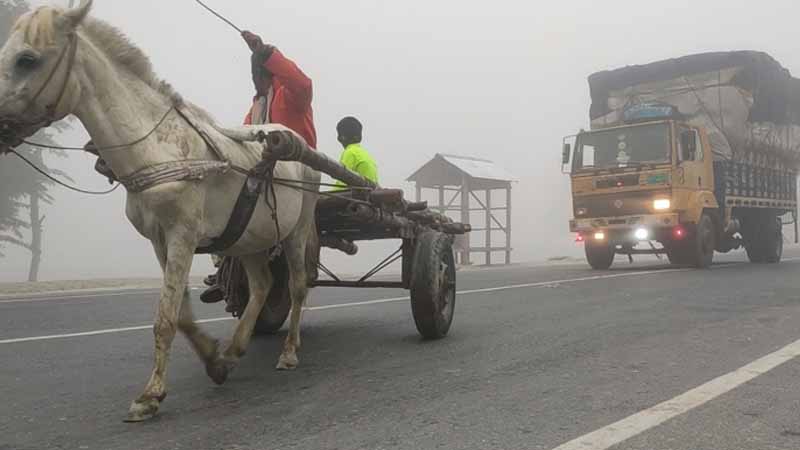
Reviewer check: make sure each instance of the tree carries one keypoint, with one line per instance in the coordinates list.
(22, 189)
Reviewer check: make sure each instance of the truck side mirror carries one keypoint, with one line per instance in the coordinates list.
(565, 153)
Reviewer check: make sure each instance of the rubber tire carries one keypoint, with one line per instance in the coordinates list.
(433, 284)
(278, 304)
(754, 245)
(702, 243)
(765, 240)
(772, 240)
(677, 255)
(601, 256)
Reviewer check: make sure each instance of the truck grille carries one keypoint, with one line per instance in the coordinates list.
(620, 181)
(620, 204)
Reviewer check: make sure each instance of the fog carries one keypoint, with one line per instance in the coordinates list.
(503, 80)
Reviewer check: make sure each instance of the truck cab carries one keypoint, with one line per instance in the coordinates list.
(649, 180)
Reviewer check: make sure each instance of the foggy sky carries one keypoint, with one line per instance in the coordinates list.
(503, 80)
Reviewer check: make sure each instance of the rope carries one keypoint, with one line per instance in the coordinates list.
(112, 147)
(274, 211)
(61, 183)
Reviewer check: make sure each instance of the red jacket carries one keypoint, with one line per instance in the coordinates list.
(291, 102)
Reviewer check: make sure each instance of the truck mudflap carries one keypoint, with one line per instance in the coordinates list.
(653, 221)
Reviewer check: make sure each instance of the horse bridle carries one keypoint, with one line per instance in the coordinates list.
(10, 129)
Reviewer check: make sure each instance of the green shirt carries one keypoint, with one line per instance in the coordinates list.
(357, 159)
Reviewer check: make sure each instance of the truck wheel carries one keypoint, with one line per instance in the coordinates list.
(764, 240)
(433, 284)
(678, 255)
(599, 255)
(703, 243)
(753, 243)
(773, 241)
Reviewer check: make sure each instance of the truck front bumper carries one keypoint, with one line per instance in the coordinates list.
(651, 222)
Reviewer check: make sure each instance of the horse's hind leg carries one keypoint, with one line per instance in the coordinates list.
(260, 282)
(295, 248)
(203, 344)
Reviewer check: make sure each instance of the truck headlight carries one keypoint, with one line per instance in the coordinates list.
(662, 204)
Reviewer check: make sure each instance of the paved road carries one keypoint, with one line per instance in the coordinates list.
(538, 358)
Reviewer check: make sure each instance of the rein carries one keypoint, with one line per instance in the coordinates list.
(59, 182)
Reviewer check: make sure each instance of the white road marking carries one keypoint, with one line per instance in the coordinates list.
(347, 305)
(640, 422)
(379, 301)
(115, 292)
(97, 332)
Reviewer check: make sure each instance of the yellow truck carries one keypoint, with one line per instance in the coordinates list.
(686, 157)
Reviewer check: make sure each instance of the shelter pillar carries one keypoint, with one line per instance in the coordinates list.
(442, 206)
(508, 225)
(465, 190)
(488, 227)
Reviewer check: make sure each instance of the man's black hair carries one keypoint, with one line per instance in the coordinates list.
(350, 130)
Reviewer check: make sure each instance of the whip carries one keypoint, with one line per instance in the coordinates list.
(219, 16)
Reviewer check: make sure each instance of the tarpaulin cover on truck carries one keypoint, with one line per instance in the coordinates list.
(745, 100)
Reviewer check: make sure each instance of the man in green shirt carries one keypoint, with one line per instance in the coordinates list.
(355, 157)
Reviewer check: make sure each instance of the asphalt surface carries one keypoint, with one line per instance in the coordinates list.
(537, 357)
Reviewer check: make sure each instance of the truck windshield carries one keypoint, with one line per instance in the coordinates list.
(623, 147)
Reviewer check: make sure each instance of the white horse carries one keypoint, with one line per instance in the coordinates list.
(58, 63)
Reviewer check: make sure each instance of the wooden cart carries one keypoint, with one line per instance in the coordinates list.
(365, 212)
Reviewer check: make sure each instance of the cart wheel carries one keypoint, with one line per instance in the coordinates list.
(278, 304)
(433, 284)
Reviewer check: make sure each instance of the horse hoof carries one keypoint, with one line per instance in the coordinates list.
(142, 410)
(219, 370)
(287, 362)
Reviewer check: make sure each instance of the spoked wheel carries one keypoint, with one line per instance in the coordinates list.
(433, 284)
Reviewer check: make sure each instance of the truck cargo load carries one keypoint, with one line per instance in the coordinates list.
(746, 100)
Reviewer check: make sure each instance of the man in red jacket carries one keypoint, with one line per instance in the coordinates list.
(283, 91)
(283, 96)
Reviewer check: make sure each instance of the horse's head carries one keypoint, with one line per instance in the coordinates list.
(36, 68)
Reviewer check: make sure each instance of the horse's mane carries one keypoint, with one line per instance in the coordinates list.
(39, 31)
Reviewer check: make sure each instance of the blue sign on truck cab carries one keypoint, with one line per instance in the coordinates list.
(647, 112)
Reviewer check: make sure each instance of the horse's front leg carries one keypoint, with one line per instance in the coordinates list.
(260, 281)
(180, 245)
(202, 343)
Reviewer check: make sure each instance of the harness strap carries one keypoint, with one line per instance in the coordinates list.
(204, 136)
(70, 64)
(240, 217)
(171, 171)
(71, 48)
